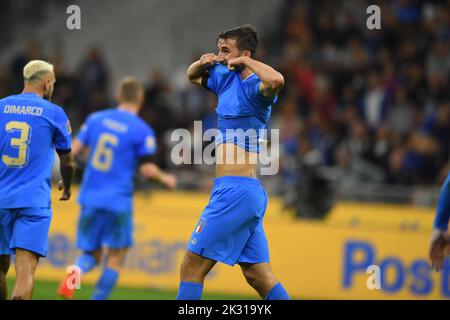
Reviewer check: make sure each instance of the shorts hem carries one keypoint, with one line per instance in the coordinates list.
(39, 254)
(212, 257)
(252, 262)
(118, 247)
(87, 249)
(92, 249)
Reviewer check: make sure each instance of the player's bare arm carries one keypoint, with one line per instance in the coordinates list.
(77, 148)
(152, 172)
(66, 167)
(439, 249)
(271, 80)
(80, 153)
(198, 69)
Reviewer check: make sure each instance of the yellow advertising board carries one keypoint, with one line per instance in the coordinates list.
(326, 259)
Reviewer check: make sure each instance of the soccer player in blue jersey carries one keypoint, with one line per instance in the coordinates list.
(118, 142)
(230, 228)
(440, 240)
(31, 129)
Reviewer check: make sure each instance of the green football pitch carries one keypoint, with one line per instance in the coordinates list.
(46, 290)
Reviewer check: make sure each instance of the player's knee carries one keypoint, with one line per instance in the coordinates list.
(259, 278)
(114, 264)
(3, 272)
(4, 265)
(25, 268)
(97, 255)
(2, 279)
(192, 272)
(251, 277)
(116, 259)
(187, 271)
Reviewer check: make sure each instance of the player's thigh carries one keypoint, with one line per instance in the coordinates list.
(7, 217)
(90, 229)
(30, 231)
(26, 261)
(118, 233)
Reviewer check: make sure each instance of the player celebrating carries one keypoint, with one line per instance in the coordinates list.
(118, 142)
(230, 228)
(31, 129)
(440, 242)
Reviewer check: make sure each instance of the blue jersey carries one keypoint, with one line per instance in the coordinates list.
(30, 130)
(443, 207)
(116, 140)
(240, 105)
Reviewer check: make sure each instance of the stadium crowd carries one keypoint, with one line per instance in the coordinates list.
(372, 104)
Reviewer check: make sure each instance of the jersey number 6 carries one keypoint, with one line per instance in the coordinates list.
(103, 155)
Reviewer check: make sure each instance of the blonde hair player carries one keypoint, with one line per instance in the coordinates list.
(31, 129)
(117, 143)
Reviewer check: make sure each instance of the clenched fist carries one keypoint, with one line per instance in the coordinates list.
(208, 59)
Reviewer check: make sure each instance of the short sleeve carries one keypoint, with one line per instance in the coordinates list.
(258, 97)
(62, 139)
(83, 133)
(209, 81)
(146, 142)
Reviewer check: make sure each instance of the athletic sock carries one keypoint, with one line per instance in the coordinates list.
(105, 284)
(190, 291)
(86, 262)
(277, 293)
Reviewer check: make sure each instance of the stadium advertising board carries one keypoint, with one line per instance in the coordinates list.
(313, 259)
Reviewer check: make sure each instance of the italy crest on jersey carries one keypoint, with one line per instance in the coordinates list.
(200, 225)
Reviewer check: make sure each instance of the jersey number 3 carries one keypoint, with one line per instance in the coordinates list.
(103, 155)
(21, 143)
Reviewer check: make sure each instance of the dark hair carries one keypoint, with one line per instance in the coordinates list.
(246, 37)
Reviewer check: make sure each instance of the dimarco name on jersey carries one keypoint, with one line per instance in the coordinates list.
(24, 110)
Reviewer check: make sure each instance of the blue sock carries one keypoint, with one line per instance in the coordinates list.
(190, 291)
(86, 262)
(277, 293)
(105, 284)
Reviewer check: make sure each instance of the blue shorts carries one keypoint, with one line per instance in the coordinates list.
(24, 228)
(230, 228)
(99, 227)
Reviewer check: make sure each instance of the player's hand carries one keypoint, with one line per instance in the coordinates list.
(236, 62)
(208, 59)
(66, 193)
(170, 181)
(439, 249)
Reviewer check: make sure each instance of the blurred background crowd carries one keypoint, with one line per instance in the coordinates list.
(362, 112)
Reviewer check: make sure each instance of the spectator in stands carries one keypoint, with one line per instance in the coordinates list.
(32, 51)
(93, 81)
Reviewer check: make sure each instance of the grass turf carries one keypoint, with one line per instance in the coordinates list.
(46, 290)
